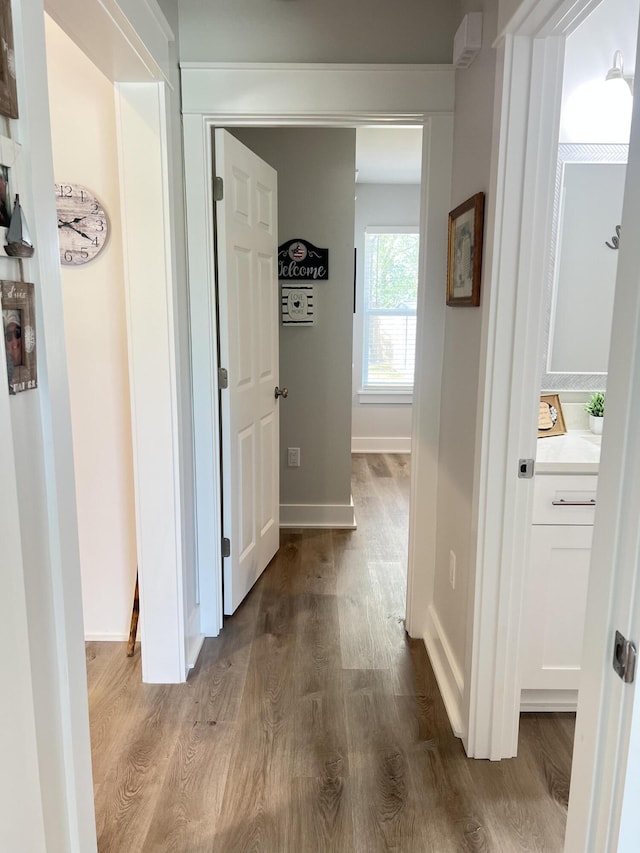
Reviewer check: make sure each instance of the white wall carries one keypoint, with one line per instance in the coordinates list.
(40, 566)
(308, 31)
(316, 180)
(85, 152)
(462, 353)
(378, 428)
(589, 50)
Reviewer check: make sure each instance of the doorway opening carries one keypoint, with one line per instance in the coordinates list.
(317, 203)
(85, 154)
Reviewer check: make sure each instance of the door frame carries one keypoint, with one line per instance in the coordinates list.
(51, 702)
(530, 50)
(604, 785)
(232, 94)
(132, 46)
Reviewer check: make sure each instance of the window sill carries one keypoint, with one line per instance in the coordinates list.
(385, 397)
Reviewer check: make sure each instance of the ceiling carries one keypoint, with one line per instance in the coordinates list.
(388, 155)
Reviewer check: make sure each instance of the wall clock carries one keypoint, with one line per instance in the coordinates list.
(83, 226)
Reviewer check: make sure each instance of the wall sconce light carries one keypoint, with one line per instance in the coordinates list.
(616, 72)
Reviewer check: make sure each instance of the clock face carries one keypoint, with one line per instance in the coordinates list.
(83, 226)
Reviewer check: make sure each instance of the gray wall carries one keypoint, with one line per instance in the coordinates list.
(316, 189)
(462, 353)
(312, 31)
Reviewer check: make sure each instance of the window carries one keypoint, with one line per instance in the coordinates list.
(390, 294)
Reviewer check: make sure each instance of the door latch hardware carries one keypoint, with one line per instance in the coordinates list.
(525, 468)
(281, 392)
(624, 658)
(223, 377)
(218, 189)
(226, 547)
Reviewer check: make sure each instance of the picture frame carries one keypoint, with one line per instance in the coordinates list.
(19, 329)
(550, 417)
(464, 257)
(8, 89)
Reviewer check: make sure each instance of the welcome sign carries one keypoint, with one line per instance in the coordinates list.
(300, 260)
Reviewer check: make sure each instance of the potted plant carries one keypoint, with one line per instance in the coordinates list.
(595, 408)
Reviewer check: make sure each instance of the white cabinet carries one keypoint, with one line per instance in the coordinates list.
(556, 591)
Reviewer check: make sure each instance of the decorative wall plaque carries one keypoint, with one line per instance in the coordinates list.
(300, 260)
(297, 305)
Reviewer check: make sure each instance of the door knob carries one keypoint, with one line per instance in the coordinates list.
(281, 392)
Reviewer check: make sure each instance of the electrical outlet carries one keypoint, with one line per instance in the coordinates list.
(452, 569)
(293, 457)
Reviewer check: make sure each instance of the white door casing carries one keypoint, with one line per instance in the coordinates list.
(247, 242)
(215, 94)
(605, 774)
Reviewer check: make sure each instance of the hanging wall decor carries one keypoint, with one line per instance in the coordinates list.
(297, 305)
(19, 328)
(18, 243)
(83, 225)
(464, 266)
(8, 91)
(300, 260)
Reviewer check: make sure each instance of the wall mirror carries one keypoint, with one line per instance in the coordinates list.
(583, 263)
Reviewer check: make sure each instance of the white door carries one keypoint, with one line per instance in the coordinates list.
(247, 251)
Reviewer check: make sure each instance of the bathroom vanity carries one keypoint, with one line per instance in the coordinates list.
(560, 550)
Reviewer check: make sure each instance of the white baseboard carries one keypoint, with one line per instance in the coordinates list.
(196, 640)
(446, 670)
(332, 516)
(365, 444)
(548, 700)
(105, 638)
(194, 650)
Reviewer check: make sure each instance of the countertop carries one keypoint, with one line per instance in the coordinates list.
(575, 452)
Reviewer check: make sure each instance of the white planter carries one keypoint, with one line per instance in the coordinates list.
(595, 424)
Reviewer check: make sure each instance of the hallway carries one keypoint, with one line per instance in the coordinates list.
(312, 723)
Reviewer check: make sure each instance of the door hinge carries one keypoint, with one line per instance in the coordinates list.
(218, 189)
(223, 378)
(226, 547)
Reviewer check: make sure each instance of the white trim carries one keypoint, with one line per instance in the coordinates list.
(149, 288)
(437, 150)
(316, 94)
(236, 94)
(386, 397)
(392, 229)
(331, 516)
(380, 444)
(520, 207)
(105, 638)
(194, 648)
(126, 39)
(198, 169)
(57, 665)
(541, 18)
(549, 700)
(446, 670)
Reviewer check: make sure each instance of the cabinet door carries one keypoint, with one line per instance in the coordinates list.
(555, 606)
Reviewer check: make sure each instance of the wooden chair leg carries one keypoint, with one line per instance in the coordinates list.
(131, 645)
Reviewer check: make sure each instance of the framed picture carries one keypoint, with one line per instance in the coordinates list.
(19, 328)
(550, 417)
(8, 92)
(464, 264)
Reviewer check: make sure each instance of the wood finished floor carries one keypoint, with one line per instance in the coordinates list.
(312, 723)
